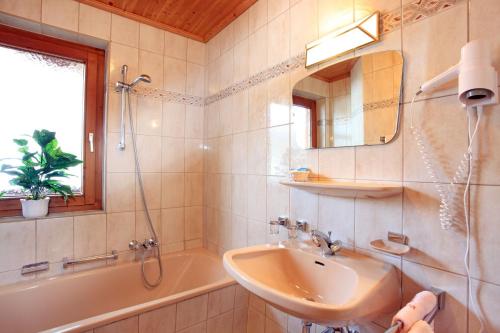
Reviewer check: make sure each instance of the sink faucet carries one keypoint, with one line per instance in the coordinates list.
(328, 247)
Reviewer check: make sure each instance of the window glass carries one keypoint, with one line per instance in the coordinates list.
(41, 92)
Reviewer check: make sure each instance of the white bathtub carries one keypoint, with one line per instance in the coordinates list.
(82, 301)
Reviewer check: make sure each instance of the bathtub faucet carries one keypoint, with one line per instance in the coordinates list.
(146, 245)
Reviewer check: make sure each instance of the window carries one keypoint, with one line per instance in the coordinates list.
(59, 86)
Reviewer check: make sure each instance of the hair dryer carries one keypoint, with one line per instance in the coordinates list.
(477, 78)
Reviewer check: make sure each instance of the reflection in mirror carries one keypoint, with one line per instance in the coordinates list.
(351, 103)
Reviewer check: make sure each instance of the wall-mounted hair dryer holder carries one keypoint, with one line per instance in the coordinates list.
(477, 78)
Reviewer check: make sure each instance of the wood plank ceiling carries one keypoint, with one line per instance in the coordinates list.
(196, 19)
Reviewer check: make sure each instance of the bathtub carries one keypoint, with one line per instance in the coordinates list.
(82, 301)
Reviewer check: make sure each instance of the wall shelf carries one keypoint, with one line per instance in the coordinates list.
(365, 190)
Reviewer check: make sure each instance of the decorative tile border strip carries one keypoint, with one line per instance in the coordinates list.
(380, 104)
(169, 96)
(413, 12)
(270, 73)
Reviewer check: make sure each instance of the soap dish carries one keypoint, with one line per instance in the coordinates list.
(390, 247)
(396, 244)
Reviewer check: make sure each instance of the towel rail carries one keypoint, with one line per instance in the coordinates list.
(67, 262)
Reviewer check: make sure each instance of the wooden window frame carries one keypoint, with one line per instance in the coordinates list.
(94, 60)
(309, 104)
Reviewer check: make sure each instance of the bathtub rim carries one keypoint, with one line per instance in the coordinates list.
(136, 309)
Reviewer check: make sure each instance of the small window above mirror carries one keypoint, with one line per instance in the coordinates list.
(351, 103)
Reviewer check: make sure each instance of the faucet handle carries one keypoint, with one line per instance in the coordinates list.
(330, 235)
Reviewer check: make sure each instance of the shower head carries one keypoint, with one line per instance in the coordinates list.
(142, 77)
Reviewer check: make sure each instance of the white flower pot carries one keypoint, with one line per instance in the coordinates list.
(35, 208)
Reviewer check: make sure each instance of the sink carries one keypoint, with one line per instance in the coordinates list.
(330, 291)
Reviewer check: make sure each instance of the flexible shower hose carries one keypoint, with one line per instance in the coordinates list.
(157, 253)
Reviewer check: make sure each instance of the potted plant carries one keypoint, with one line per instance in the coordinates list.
(39, 173)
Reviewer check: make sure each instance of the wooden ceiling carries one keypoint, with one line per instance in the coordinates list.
(196, 19)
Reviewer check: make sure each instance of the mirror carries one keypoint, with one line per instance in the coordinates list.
(351, 103)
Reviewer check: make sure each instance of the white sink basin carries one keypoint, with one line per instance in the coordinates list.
(328, 291)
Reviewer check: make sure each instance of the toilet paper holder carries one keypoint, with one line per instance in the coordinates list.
(440, 295)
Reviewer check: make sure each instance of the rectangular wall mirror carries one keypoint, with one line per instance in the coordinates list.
(351, 103)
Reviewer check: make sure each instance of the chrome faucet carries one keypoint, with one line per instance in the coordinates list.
(328, 247)
(146, 245)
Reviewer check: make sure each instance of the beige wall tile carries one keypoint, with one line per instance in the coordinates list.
(119, 160)
(375, 217)
(383, 162)
(193, 189)
(257, 106)
(175, 45)
(191, 312)
(199, 328)
(278, 101)
(221, 301)
(149, 150)
(29, 9)
(256, 197)
(257, 152)
(173, 154)
(432, 46)
(337, 163)
(152, 184)
(94, 22)
(151, 64)
(304, 206)
(278, 198)
(194, 122)
(174, 120)
(453, 318)
(172, 190)
(278, 151)
(256, 321)
(151, 38)
(193, 223)
(277, 38)
(430, 244)
(239, 231)
(196, 52)
(173, 225)
(240, 320)
(124, 31)
(334, 15)
(62, 14)
(159, 320)
(485, 227)
(257, 15)
(120, 230)
(445, 145)
(54, 239)
(484, 19)
(149, 116)
(17, 244)
(195, 80)
(239, 199)
(221, 324)
(337, 215)
(193, 155)
(486, 161)
(175, 75)
(241, 27)
(257, 46)
(486, 297)
(90, 235)
(122, 55)
(120, 192)
(241, 58)
(142, 229)
(129, 325)
(276, 7)
(303, 25)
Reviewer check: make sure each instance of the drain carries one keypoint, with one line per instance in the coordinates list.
(310, 299)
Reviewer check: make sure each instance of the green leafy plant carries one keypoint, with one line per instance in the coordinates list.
(41, 171)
